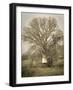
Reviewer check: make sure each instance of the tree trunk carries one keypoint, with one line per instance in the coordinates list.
(44, 59)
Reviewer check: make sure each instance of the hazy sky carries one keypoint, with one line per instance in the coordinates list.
(26, 17)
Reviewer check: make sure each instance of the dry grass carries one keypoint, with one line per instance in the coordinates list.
(42, 71)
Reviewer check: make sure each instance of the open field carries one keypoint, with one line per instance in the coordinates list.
(29, 71)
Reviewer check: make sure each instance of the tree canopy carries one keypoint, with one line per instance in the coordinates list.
(44, 33)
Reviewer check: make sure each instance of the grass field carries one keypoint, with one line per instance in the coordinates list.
(42, 71)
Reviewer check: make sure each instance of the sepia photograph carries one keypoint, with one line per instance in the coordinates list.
(42, 44)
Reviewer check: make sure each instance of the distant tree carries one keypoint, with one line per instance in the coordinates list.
(24, 57)
(44, 34)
